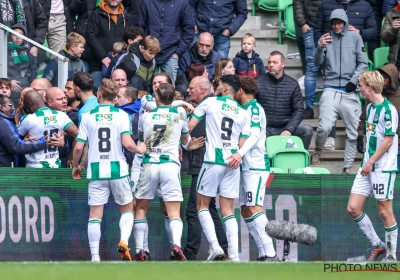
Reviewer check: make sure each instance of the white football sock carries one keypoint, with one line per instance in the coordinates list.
(168, 230)
(260, 221)
(253, 231)
(232, 235)
(391, 240)
(94, 234)
(126, 225)
(207, 224)
(139, 232)
(176, 227)
(146, 239)
(364, 223)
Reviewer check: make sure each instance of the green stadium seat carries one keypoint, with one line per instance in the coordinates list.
(282, 4)
(274, 143)
(276, 170)
(380, 57)
(268, 5)
(314, 170)
(291, 159)
(290, 28)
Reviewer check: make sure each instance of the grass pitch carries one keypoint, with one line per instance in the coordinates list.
(179, 270)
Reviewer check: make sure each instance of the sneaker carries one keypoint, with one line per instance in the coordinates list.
(347, 170)
(308, 113)
(236, 259)
(389, 258)
(273, 25)
(216, 254)
(272, 259)
(141, 256)
(261, 259)
(377, 251)
(330, 144)
(177, 252)
(124, 251)
(316, 158)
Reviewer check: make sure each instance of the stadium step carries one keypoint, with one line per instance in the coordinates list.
(333, 161)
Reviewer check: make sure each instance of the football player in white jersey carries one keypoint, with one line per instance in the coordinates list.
(162, 130)
(255, 171)
(107, 129)
(148, 103)
(378, 169)
(227, 124)
(43, 121)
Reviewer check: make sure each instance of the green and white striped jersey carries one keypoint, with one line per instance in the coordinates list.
(44, 122)
(103, 127)
(226, 122)
(256, 158)
(381, 120)
(162, 129)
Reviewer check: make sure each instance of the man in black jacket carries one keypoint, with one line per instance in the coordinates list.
(281, 98)
(10, 143)
(106, 25)
(199, 90)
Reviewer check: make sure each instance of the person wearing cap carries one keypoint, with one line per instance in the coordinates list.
(342, 55)
(22, 63)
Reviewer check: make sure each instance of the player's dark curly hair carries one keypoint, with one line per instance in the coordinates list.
(231, 80)
(132, 32)
(249, 85)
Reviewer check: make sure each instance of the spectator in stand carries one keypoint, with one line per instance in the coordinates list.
(30, 14)
(376, 6)
(222, 20)
(119, 77)
(282, 100)
(199, 90)
(172, 23)
(41, 85)
(10, 142)
(342, 70)
(117, 52)
(5, 87)
(388, 5)
(57, 14)
(73, 105)
(305, 12)
(201, 52)
(361, 21)
(224, 67)
(390, 35)
(391, 93)
(73, 51)
(56, 99)
(247, 62)
(83, 86)
(140, 64)
(183, 81)
(127, 100)
(21, 63)
(106, 25)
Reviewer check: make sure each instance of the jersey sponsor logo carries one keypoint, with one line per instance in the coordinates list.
(371, 127)
(376, 117)
(226, 107)
(388, 124)
(255, 118)
(387, 117)
(51, 119)
(103, 117)
(157, 117)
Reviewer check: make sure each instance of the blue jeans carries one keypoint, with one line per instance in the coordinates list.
(222, 44)
(97, 77)
(310, 79)
(170, 67)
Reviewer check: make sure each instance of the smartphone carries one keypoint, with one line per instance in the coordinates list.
(329, 32)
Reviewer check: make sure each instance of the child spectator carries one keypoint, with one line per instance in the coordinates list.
(21, 64)
(247, 62)
(139, 65)
(5, 87)
(118, 50)
(73, 51)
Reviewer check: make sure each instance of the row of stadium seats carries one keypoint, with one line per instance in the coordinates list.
(287, 155)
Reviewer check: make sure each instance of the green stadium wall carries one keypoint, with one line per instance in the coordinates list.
(44, 213)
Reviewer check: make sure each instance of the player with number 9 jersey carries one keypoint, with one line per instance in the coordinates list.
(44, 122)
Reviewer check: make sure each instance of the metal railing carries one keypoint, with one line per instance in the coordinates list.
(62, 61)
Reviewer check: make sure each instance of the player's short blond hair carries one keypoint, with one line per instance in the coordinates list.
(374, 79)
(117, 47)
(249, 35)
(73, 39)
(108, 89)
